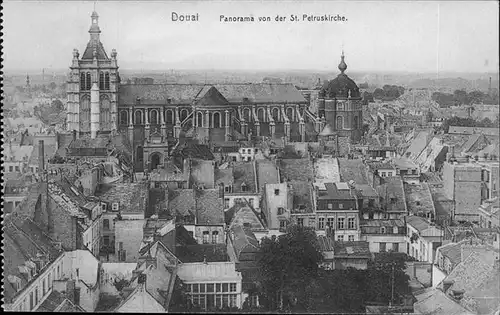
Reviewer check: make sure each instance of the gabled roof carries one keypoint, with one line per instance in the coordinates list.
(434, 301)
(178, 94)
(244, 240)
(260, 93)
(57, 302)
(210, 96)
(182, 201)
(241, 213)
(244, 172)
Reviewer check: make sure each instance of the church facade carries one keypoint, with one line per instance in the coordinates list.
(156, 114)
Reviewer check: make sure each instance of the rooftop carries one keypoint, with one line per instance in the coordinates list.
(296, 169)
(244, 172)
(326, 170)
(131, 197)
(336, 191)
(302, 196)
(419, 199)
(267, 173)
(210, 271)
(200, 252)
(353, 170)
(357, 249)
(209, 207)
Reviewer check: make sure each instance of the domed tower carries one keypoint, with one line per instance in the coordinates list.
(340, 103)
(92, 88)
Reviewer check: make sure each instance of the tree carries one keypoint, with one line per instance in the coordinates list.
(378, 94)
(57, 105)
(288, 264)
(52, 86)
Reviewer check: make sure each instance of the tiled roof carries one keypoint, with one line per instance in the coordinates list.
(182, 202)
(352, 170)
(244, 240)
(392, 194)
(130, 196)
(168, 173)
(23, 241)
(302, 195)
(159, 93)
(452, 251)
(365, 191)
(224, 176)
(267, 173)
(193, 150)
(435, 302)
(418, 223)
(57, 302)
(241, 213)
(326, 244)
(352, 249)
(89, 51)
(473, 130)
(209, 207)
(419, 198)
(187, 93)
(244, 172)
(296, 169)
(200, 252)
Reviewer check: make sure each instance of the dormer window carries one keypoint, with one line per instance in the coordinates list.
(382, 230)
(277, 192)
(244, 187)
(115, 206)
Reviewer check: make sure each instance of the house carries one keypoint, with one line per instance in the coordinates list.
(16, 158)
(242, 214)
(382, 169)
(408, 170)
(125, 206)
(474, 278)
(337, 210)
(152, 283)
(384, 235)
(277, 206)
(351, 255)
(169, 176)
(266, 173)
(242, 244)
(81, 278)
(392, 198)
(432, 157)
(15, 191)
(201, 173)
(212, 284)
(422, 238)
(210, 222)
(32, 262)
(489, 214)
(419, 200)
(239, 182)
(432, 300)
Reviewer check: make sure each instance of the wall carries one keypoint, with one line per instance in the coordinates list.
(232, 200)
(375, 240)
(65, 226)
(273, 202)
(437, 276)
(130, 233)
(199, 229)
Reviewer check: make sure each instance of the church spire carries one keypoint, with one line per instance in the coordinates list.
(94, 30)
(342, 64)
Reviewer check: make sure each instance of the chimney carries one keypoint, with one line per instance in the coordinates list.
(205, 259)
(447, 284)
(41, 157)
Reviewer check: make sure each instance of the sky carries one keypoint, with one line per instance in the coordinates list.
(411, 36)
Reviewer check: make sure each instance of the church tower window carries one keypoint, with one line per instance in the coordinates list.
(200, 119)
(105, 112)
(106, 81)
(276, 114)
(340, 123)
(169, 116)
(88, 82)
(356, 122)
(83, 85)
(101, 81)
(260, 115)
(123, 117)
(138, 117)
(154, 117)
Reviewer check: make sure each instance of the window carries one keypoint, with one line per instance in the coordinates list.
(244, 187)
(105, 240)
(206, 235)
(105, 224)
(276, 192)
(77, 272)
(180, 185)
(115, 206)
(282, 225)
(382, 247)
(225, 287)
(340, 238)
(340, 223)
(36, 295)
(232, 287)
(233, 300)
(215, 237)
(32, 305)
(341, 206)
(281, 210)
(202, 288)
(395, 247)
(210, 288)
(11, 168)
(351, 238)
(382, 174)
(330, 222)
(250, 202)
(321, 223)
(44, 286)
(351, 224)
(226, 203)
(17, 168)
(340, 122)
(330, 206)
(382, 230)
(300, 221)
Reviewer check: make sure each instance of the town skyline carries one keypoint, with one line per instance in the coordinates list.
(428, 37)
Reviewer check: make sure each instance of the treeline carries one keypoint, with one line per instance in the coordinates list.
(461, 97)
(469, 122)
(386, 93)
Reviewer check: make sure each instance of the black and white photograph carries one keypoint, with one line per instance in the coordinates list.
(294, 157)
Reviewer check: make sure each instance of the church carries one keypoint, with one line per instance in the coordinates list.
(156, 116)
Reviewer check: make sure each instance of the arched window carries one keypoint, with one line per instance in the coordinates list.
(356, 122)
(261, 114)
(82, 81)
(276, 114)
(153, 114)
(138, 117)
(216, 120)
(123, 117)
(184, 114)
(170, 117)
(88, 82)
(246, 114)
(289, 113)
(106, 81)
(85, 113)
(340, 123)
(105, 112)
(199, 118)
(101, 81)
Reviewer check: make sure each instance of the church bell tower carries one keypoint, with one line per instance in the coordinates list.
(93, 84)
